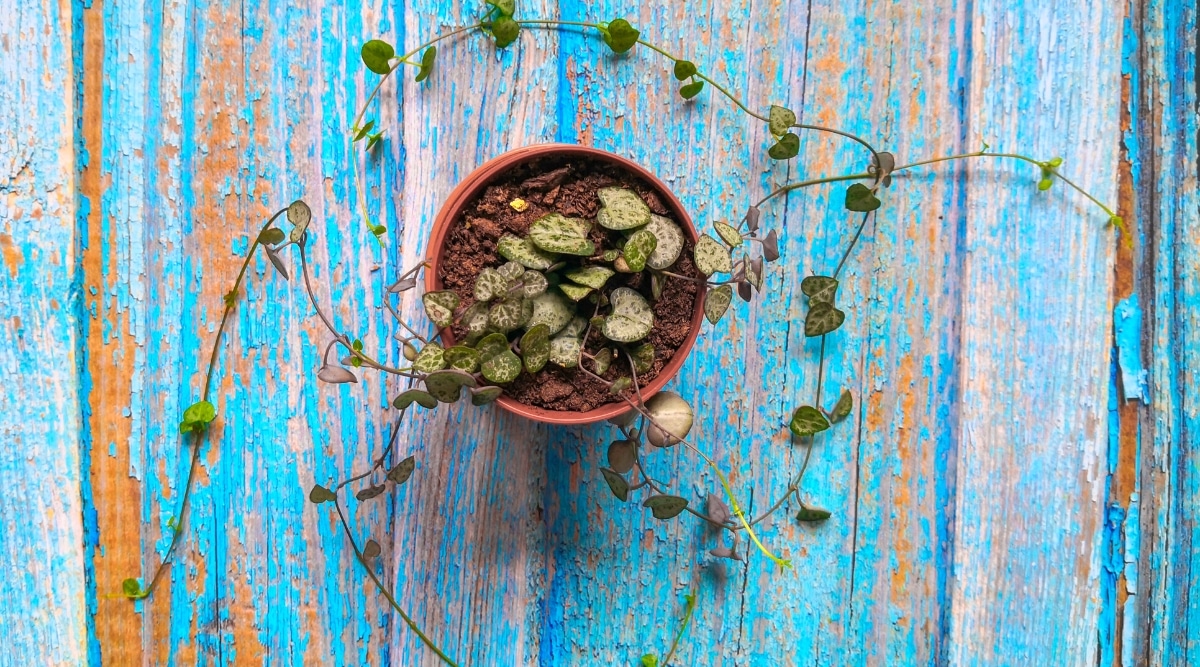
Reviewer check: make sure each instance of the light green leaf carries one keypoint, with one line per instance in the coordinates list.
(534, 283)
(819, 289)
(505, 30)
(524, 252)
(431, 358)
(728, 233)
(197, 417)
(574, 328)
(716, 302)
(623, 209)
(712, 257)
(427, 59)
(780, 120)
(509, 314)
(417, 396)
(511, 270)
(440, 306)
(376, 55)
(638, 249)
(590, 276)
(575, 292)
(602, 361)
(505, 7)
(462, 358)
(490, 284)
(620, 36)
(557, 233)
(669, 242)
(631, 318)
(822, 318)
(551, 309)
(300, 215)
(475, 319)
(564, 351)
(535, 347)
(807, 421)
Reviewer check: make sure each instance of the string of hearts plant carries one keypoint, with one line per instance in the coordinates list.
(551, 302)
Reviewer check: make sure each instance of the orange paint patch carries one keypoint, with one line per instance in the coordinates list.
(13, 258)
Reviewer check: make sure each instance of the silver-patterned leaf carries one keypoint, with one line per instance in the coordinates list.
(490, 284)
(511, 270)
(421, 398)
(440, 306)
(370, 492)
(819, 289)
(534, 283)
(502, 368)
(716, 302)
(446, 386)
(555, 232)
(564, 351)
(336, 375)
(731, 236)
(638, 249)
(299, 214)
(575, 292)
(551, 309)
(671, 419)
(665, 507)
(403, 470)
(602, 361)
(485, 395)
(462, 358)
(643, 358)
(509, 314)
(430, 358)
(780, 120)
(670, 242)
(755, 273)
(574, 328)
(623, 209)
(619, 385)
(616, 484)
(590, 276)
(822, 318)
(535, 347)
(807, 421)
(491, 345)
(622, 455)
(631, 318)
(475, 319)
(524, 252)
(711, 256)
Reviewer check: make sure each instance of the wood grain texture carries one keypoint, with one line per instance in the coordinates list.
(995, 500)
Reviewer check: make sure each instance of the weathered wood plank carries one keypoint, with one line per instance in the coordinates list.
(44, 616)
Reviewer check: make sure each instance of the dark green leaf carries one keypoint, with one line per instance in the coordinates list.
(320, 494)
(842, 408)
(812, 514)
(665, 507)
(371, 549)
(376, 54)
(446, 385)
(787, 147)
(535, 347)
(362, 132)
(422, 398)
(485, 395)
(616, 483)
(402, 471)
(440, 306)
(622, 455)
(807, 421)
(684, 69)
(427, 59)
(505, 30)
(370, 492)
(271, 236)
(823, 318)
(819, 289)
(690, 90)
(462, 358)
(859, 198)
(506, 7)
(621, 36)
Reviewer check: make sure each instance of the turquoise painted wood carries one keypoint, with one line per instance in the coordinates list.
(1010, 490)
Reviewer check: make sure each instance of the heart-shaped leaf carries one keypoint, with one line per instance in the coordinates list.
(427, 59)
(336, 375)
(819, 289)
(462, 358)
(622, 455)
(485, 395)
(320, 494)
(665, 507)
(716, 302)
(402, 471)
(859, 198)
(752, 216)
(475, 319)
(417, 396)
(555, 232)
(842, 408)
(498, 363)
(534, 283)
(812, 514)
(620, 36)
(377, 54)
(616, 484)
(552, 310)
(716, 509)
(574, 328)
(511, 270)
(669, 242)
(575, 292)
(780, 120)
(199, 415)
(440, 306)
(535, 347)
(712, 257)
(602, 360)
(370, 492)
(509, 314)
(643, 358)
(403, 285)
(431, 358)
(446, 386)
(755, 273)
(787, 147)
(623, 209)
(807, 421)
(744, 291)
(524, 252)
(684, 69)
(671, 419)
(690, 90)
(489, 284)
(638, 249)
(631, 318)
(823, 318)
(591, 276)
(271, 236)
(564, 351)
(505, 7)
(371, 549)
(505, 30)
(299, 214)
(731, 236)
(882, 167)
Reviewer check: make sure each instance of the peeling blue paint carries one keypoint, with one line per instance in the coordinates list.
(1127, 331)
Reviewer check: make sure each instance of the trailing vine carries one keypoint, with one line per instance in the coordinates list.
(481, 365)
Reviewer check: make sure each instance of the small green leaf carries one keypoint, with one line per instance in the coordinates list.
(271, 236)
(842, 408)
(602, 360)
(485, 395)
(511, 270)
(371, 549)
(197, 417)
(446, 385)
(403, 470)
(620, 36)
(731, 236)
(712, 257)
(509, 314)
(616, 484)
(551, 309)
(787, 147)
(505, 30)
(407, 398)
(490, 284)
(534, 283)
(622, 455)
(649, 660)
(132, 589)
(431, 358)
(590, 276)
(638, 249)
(823, 318)
(819, 289)
(716, 302)
(643, 358)
(564, 351)
(555, 232)
(475, 319)
(502, 368)
(812, 514)
(859, 198)
(575, 292)
(440, 306)
(780, 120)
(807, 421)
(620, 385)
(665, 507)
(535, 347)
(524, 252)
(372, 141)
(1045, 184)
(669, 242)
(427, 60)
(320, 494)
(690, 90)
(622, 209)
(370, 492)
(364, 130)
(631, 319)
(376, 55)
(462, 358)
(505, 7)
(684, 69)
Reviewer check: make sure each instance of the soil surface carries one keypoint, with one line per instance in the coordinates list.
(567, 186)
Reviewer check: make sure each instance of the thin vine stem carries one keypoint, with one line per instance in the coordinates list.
(687, 617)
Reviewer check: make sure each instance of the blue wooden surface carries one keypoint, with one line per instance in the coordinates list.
(997, 499)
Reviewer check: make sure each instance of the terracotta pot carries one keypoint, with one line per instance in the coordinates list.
(474, 185)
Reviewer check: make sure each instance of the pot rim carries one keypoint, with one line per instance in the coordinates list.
(473, 185)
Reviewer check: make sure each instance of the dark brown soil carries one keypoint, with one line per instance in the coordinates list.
(568, 187)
